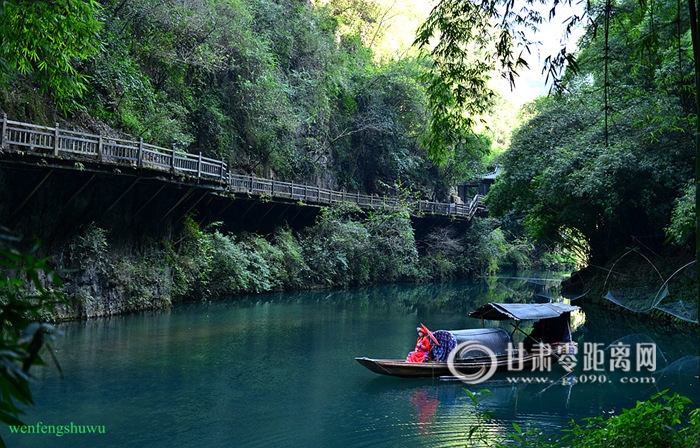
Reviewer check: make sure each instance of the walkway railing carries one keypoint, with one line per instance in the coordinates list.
(63, 144)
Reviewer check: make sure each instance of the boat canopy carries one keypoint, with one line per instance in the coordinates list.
(496, 339)
(522, 311)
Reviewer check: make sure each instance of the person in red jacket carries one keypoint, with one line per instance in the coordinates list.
(420, 354)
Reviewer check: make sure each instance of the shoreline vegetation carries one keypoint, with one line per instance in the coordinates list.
(106, 275)
(346, 247)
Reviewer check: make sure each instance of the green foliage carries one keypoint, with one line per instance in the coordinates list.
(25, 304)
(264, 263)
(211, 264)
(599, 166)
(485, 247)
(523, 253)
(378, 147)
(356, 18)
(393, 245)
(481, 250)
(88, 249)
(144, 280)
(461, 165)
(468, 42)
(478, 434)
(450, 126)
(190, 260)
(280, 88)
(101, 279)
(442, 254)
(236, 268)
(271, 86)
(346, 247)
(337, 247)
(660, 421)
(294, 270)
(44, 41)
(681, 230)
(519, 254)
(569, 188)
(652, 423)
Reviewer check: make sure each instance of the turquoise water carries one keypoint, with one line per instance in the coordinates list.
(279, 370)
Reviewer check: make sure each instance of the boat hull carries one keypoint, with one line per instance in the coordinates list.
(403, 369)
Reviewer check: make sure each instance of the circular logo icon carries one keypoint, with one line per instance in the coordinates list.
(472, 371)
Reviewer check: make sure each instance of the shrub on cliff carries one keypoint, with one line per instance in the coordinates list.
(244, 264)
(392, 245)
(295, 270)
(336, 248)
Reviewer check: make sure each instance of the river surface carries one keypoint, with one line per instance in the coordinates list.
(278, 370)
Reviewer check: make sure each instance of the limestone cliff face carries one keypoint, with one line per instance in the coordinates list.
(103, 279)
(97, 232)
(113, 285)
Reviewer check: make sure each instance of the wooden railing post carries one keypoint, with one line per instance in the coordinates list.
(4, 131)
(55, 141)
(139, 162)
(199, 166)
(172, 159)
(223, 171)
(99, 149)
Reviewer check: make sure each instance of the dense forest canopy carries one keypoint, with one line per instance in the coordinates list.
(600, 165)
(319, 92)
(330, 92)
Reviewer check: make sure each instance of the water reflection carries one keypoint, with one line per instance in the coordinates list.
(425, 403)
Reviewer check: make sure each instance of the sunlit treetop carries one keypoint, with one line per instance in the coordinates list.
(468, 41)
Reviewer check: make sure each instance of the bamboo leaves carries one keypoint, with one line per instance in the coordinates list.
(46, 40)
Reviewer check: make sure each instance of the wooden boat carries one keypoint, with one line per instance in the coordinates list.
(496, 340)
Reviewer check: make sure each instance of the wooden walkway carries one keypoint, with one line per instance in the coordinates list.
(53, 142)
